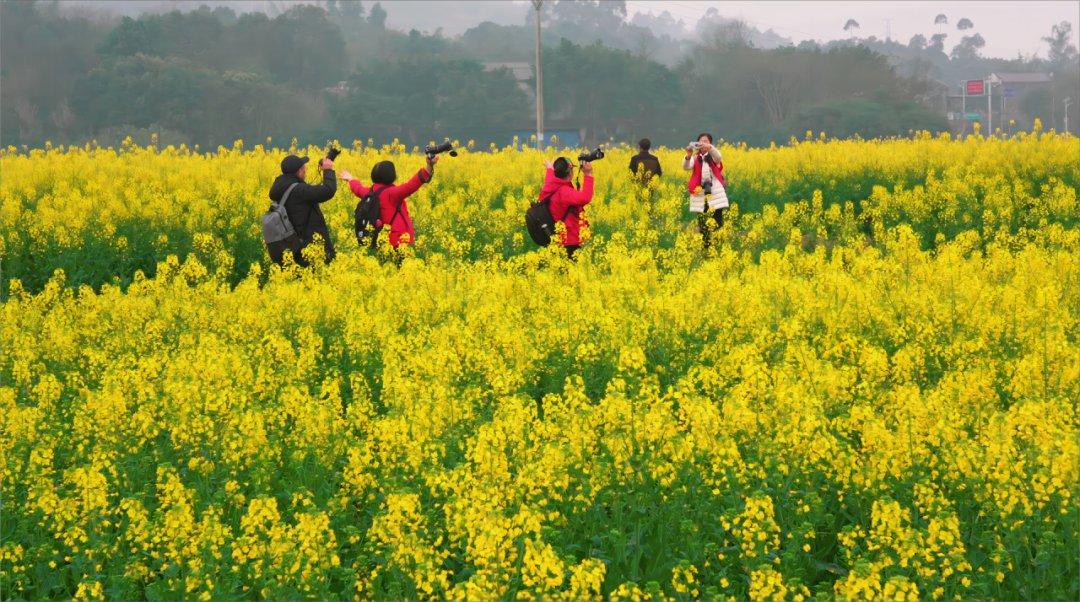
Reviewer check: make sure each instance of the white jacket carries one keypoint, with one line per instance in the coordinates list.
(719, 199)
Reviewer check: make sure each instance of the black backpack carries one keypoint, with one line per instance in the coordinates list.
(368, 213)
(540, 223)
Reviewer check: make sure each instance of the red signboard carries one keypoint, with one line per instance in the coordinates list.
(975, 87)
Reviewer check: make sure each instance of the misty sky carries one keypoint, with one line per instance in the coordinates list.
(1007, 27)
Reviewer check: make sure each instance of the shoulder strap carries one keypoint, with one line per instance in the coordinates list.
(281, 208)
(281, 204)
(568, 209)
(376, 192)
(402, 202)
(396, 213)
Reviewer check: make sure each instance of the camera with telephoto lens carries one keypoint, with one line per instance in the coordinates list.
(331, 153)
(596, 155)
(706, 188)
(432, 150)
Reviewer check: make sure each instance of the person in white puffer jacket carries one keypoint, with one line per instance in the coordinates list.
(708, 196)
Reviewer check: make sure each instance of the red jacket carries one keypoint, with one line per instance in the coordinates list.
(563, 198)
(695, 179)
(388, 205)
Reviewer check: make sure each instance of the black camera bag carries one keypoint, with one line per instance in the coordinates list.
(540, 223)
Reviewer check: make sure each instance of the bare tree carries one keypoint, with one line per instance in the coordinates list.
(646, 44)
(91, 12)
(941, 20)
(964, 24)
(728, 36)
(26, 113)
(63, 118)
(781, 85)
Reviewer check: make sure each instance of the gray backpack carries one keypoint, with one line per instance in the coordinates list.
(275, 222)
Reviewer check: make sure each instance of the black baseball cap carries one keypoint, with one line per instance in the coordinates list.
(293, 164)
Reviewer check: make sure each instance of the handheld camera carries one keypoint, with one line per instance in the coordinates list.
(432, 150)
(331, 153)
(596, 155)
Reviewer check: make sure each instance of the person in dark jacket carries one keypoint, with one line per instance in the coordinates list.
(647, 164)
(644, 167)
(302, 207)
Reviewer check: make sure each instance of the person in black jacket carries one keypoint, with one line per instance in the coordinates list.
(646, 161)
(302, 207)
(644, 166)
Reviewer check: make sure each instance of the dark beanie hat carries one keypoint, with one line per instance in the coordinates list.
(383, 173)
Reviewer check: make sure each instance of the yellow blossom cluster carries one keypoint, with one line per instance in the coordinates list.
(106, 214)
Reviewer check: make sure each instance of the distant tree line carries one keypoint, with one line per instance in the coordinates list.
(926, 57)
(208, 77)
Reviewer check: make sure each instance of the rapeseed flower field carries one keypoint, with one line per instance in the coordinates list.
(868, 388)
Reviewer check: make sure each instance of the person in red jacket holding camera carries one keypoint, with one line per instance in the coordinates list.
(393, 210)
(567, 203)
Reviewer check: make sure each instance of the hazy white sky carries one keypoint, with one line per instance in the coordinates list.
(1007, 27)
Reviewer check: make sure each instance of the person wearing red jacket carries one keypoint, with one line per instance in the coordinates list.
(567, 204)
(708, 197)
(393, 209)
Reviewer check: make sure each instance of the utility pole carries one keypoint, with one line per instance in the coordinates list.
(1053, 102)
(963, 109)
(539, 80)
(1066, 101)
(888, 29)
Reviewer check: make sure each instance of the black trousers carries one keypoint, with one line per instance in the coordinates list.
(709, 222)
(570, 250)
(291, 244)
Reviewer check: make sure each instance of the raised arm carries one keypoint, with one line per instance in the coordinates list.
(422, 177)
(578, 198)
(413, 184)
(357, 188)
(321, 193)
